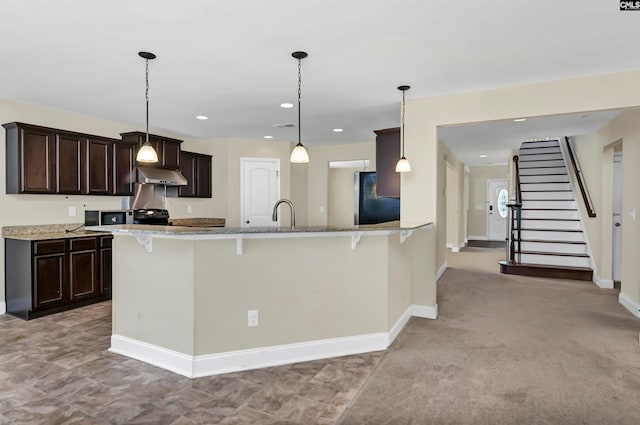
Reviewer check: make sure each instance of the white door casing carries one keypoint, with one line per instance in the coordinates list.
(616, 264)
(259, 190)
(497, 197)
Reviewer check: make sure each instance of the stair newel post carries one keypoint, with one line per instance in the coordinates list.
(514, 220)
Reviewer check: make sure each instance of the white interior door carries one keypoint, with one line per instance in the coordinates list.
(497, 198)
(617, 217)
(260, 190)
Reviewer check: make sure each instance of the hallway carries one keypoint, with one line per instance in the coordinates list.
(506, 350)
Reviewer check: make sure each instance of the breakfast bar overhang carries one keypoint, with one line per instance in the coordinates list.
(181, 296)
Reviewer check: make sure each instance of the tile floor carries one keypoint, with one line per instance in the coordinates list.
(56, 370)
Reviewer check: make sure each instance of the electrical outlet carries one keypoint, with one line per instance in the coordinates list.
(322, 210)
(253, 318)
(72, 211)
(189, 209)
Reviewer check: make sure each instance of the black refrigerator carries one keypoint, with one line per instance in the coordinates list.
(369, 207)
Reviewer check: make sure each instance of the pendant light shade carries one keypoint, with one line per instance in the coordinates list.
(147, 153)
(403, 166)
(299, 153)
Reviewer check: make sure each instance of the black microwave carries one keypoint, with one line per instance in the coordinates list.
(107, 217)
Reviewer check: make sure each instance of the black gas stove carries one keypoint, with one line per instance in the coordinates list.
(151, 216)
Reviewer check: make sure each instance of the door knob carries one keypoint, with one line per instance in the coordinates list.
(617, 224)
(247, 222)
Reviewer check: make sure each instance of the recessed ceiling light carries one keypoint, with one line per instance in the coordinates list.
(338, 130)
(483, 156)
(202, 117)
(268, 137)
(519, 119)
(286, 105)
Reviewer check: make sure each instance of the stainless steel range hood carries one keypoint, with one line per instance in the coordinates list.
(161, 176)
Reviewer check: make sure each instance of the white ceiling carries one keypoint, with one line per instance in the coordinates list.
(231, 60)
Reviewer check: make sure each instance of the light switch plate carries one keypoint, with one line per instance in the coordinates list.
(72, 211)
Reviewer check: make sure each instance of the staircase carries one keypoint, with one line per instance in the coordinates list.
(551, 238)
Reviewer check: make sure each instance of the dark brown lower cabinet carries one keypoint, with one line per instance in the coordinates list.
(49, 276)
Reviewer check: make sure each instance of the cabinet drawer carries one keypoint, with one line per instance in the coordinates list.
(106, 241)
(83, 244)
(48, 247)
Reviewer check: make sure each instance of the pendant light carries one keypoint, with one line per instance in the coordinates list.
(147, 153)
(403, 165)
(299, 153)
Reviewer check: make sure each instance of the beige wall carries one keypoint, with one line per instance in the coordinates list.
(478, 176)
(448, 192)
(318, 188)
(421, 197)
(595, 153)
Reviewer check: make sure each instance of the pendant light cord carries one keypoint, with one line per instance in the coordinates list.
(403, 91)
(146, 94)
(299, 96)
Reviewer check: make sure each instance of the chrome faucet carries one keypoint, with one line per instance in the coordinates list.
(274, 217)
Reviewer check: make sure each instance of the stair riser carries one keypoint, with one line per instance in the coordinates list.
(541, 196)
(545, 186)
(555, 163)
(540, 144)
(568, 248)
(528, 157)
(540, 149)
(549, 204)
(553, 236)
(549, 214)
(543, 179)
(553, 260)
(551, 224)
(538, 171)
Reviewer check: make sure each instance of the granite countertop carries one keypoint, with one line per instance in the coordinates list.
(181, 230)
(48, 231)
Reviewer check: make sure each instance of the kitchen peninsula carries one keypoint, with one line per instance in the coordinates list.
(204, 301)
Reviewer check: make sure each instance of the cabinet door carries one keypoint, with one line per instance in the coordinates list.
(37, 161)
(99, 166)
(83, 274)
(170, 154)
(106, 276)
(123, 169)
(69, 163)
(204, 176)
(188, 164)
(48, 280)
(387, 155)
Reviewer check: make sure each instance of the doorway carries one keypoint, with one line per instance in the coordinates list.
(616, 263)
(259, 190)
(497, 198)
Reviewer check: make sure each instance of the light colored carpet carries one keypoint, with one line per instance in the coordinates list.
(508, 350)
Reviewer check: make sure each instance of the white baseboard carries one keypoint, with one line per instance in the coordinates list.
(477, 238)
(234, 361)
(603, 283)
(441, 271)
(629, 304)
(3, 307)
(153, 354)
(424, 311)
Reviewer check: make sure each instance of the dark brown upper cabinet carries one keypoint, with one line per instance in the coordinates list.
(123, 168)
(99, 166)
(168, 149)
(387, 155)
(30, 159)
(196, 168)
(70, 167)
(52, 161)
